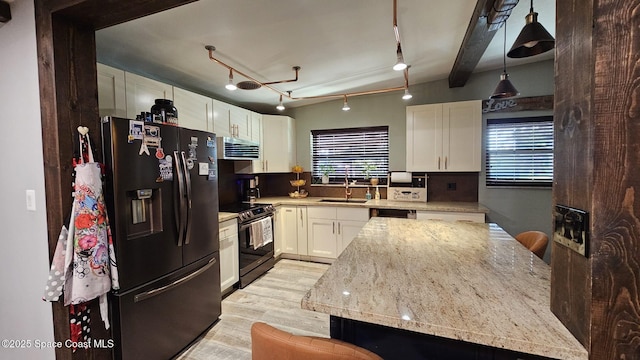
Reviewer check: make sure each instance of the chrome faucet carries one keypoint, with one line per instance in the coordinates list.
(347, 193)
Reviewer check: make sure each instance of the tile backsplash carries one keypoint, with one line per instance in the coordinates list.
(440, 187)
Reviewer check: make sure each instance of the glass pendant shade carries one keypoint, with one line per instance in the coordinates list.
(534, 39)
(407, 95)
(505, 88)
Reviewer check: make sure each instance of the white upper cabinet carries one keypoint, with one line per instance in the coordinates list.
(142, 92)
(221, 121)
(256, 127)
(444, 137)
(277, 147)
(111, 91)
(240, 122)
(278, 143)
(195, 111)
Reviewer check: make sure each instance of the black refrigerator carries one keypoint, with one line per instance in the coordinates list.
(162, 199)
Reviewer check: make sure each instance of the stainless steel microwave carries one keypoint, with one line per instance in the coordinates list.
(230, 148)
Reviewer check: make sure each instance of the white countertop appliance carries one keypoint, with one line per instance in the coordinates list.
(407, 186)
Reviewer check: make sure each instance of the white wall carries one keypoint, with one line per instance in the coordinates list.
(23, 242)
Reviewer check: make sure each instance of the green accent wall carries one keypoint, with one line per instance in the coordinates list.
(514, 209)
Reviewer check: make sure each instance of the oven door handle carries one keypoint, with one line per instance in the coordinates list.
(248, 225)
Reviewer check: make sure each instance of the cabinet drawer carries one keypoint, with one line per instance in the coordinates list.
(355, 214)
(450, 216)
(321, 212)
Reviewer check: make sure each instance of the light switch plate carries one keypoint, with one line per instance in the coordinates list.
(31, 200)
(571, 229)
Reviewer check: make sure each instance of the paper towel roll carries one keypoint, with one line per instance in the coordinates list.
(400, 177)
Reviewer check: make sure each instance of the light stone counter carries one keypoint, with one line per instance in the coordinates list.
(224, 216)
(470, 207)
(464, 281)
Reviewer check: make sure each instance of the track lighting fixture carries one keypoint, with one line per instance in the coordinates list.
(534, 39)
(231, 86)
(252, 83)
(504, 89)
(280, 106)
(345, 107)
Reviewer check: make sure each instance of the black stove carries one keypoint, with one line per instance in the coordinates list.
(248, 211)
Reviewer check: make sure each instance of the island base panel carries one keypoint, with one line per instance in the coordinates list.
(392, 343)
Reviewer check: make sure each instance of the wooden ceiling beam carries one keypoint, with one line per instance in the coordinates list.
(99, 14)
(476, 40)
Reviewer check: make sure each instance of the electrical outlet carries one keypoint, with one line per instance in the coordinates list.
(31, 200)
(451, 186)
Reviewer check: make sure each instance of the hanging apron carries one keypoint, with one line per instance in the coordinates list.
(84, 266)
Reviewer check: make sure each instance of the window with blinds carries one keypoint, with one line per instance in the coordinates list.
(351, 150)
(519, 152)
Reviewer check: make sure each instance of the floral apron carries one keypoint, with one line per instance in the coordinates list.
(84, 266)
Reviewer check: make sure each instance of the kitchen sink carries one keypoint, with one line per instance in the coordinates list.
(355, 201)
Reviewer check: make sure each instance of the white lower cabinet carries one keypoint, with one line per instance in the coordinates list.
(450, 216)
(294, 229)
(331, 229)
(229, 257)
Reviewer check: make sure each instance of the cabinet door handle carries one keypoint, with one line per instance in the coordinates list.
(301, 220)
(445, 162)
(334, 227)
(266, 167)
(438, 162)
(338, 228)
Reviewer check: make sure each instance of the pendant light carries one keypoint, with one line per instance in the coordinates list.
(534, 39)
(504, 89)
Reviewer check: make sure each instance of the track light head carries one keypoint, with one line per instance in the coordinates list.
(346, 106)
(400, 64)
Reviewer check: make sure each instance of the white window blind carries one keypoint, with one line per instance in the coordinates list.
(519, 152)
(351, 149)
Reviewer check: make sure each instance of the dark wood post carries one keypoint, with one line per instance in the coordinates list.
(597, 158)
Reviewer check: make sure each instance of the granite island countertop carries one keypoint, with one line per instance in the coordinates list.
(464, 281)
(472, 207)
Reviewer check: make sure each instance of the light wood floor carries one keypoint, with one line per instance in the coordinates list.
(275, 299)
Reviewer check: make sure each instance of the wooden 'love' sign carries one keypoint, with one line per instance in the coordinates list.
(518, 104)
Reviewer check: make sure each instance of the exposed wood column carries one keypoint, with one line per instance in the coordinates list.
(597, 113)
(65, 31)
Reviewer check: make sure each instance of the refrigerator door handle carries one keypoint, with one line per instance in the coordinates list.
(179, 204)
(151, 293)
(188, 215)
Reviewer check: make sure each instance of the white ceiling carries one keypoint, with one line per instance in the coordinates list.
(342, 46)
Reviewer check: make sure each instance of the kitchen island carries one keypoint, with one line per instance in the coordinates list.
(405, 288)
